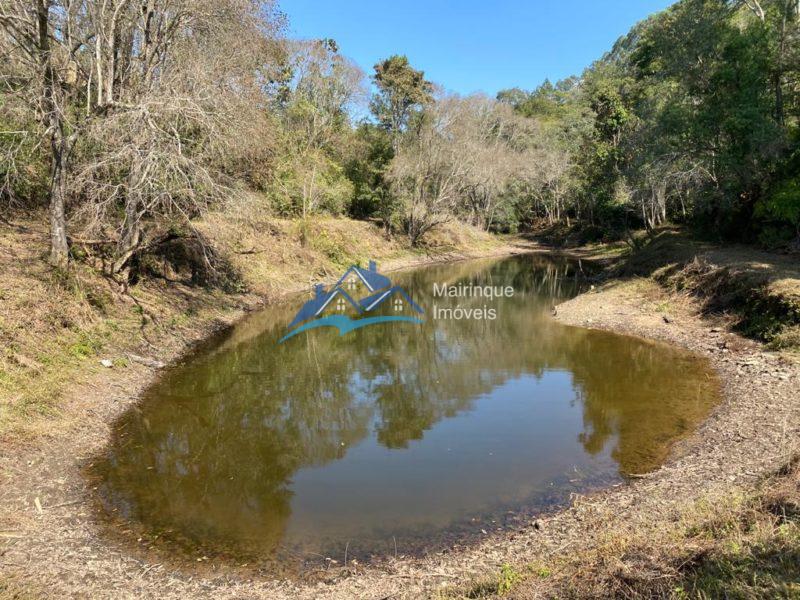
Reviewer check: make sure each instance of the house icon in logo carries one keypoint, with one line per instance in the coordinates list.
(379, 302)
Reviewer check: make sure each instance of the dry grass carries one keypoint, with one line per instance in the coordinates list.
(269, 251)
(56, 326)
(726, 545)
(753, 552)
(50, 321)
(11, 590)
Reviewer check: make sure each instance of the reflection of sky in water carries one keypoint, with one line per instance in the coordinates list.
(397, 429)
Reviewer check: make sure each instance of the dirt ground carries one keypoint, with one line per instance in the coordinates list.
(52, 546)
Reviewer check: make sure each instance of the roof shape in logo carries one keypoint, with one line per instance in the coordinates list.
(374, 301)
(370, 276)
(320, 301)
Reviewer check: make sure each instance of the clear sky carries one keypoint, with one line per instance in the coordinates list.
(473, 45)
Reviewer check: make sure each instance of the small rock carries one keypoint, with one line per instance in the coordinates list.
(537, 524)
(107, 363)
(666, 319)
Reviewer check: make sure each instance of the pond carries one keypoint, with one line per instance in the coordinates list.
(403, 436)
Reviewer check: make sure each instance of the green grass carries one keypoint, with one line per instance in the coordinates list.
(501, 584)
(508, 578)
(86, 346)
(36, 391)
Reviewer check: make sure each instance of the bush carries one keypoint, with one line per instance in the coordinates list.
(781, 211)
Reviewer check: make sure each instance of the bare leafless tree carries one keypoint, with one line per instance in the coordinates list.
(429, 170)
(459, 161)
(134, 99)
(43, 39)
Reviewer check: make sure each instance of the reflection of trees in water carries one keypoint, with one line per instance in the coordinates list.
(214, 448)
(642, 394)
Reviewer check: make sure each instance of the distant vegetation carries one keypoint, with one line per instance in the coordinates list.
(130, 121)
(692, 117)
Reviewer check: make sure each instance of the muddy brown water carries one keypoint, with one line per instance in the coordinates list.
(398, 437)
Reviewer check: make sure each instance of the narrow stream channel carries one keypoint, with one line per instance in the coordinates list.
(398, 437)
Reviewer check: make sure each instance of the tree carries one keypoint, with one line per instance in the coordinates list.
(428, 171)
(458, 161)
(324, 86)
(366, 167)
(401, 89)
(42, 41)
(490, 136)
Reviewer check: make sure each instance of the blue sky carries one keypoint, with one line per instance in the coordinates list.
(473, 45)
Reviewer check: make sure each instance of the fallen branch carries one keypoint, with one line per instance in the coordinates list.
(66, 503)
(148, 362)
(252, 251)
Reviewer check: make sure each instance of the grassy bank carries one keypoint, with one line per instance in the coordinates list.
(57, 325)
(759, 292)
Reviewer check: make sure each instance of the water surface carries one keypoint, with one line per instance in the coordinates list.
(398, 436)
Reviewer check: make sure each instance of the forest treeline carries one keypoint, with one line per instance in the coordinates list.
(130, 120)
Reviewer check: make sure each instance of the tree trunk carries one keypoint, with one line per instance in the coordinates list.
(778, 79)
(59, 143)
(131, 236)
(59, 249)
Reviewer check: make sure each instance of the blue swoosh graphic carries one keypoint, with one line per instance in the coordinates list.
(345, 324)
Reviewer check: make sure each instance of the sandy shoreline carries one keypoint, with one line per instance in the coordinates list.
(50, 541)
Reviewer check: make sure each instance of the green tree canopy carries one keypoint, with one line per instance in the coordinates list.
(401, 89)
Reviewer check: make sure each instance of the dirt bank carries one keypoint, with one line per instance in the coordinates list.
(50, 545)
